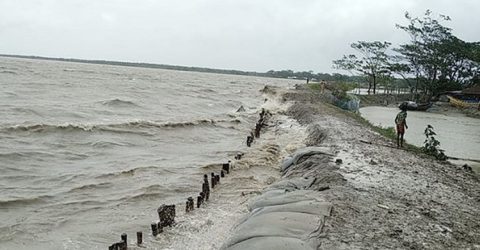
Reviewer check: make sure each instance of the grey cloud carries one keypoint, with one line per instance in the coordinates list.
(245, 35)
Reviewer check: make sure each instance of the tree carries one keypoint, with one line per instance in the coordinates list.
(372, 63)
(436, 59)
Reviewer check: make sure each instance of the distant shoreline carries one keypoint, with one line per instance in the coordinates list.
(143, 65)
(283, 74)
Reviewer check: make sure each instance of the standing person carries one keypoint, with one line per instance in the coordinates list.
(401, 122)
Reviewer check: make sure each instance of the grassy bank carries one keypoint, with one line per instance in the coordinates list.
(389, 132)
(383, 99)
(386, 188)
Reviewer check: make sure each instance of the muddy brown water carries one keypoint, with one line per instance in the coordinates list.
(90, 151)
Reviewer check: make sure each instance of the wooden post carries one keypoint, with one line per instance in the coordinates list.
(217, 179)
(160, 227)
(226, 167)
(206, 190)
(190, 204)
(154, 229)
(222, 173)
(249, 140)
(166, 214)
(139, 238)
(120, 246)
(238, 156)
(199, 201)
(258, 126)
(213, 180)
(124, 237)
(205, 179)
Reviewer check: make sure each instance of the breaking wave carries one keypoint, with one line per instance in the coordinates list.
(130, 172)
(23, 201)
(126, 127)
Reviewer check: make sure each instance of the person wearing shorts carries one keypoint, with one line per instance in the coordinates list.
(401, 122)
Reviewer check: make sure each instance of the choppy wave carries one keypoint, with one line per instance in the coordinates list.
(19, 155)
(119, 103)
(8, 72)
(13, 155)
(126, 127)
(212, 166)
(10, 94)
(92, 186)
(67, 128)
(152, 192)
(108, 144)
(144, 196)
(208, 90)
(26, 111)
(80, 71)
(38, 128)
(23, 201)
(129, 172)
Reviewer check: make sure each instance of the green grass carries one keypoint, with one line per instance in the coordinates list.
(341, 86)
(345, 86)
(388, 132)
(314, 86)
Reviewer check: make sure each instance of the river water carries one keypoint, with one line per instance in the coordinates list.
(90, 150)
(458, 134)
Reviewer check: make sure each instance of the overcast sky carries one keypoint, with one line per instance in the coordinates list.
(256, 35)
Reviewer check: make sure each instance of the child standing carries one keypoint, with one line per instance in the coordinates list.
(401, 122)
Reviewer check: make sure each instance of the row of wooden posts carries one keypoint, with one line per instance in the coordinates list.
(166, 213)
(258, 127)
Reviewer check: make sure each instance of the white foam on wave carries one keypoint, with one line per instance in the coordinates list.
(211, 225)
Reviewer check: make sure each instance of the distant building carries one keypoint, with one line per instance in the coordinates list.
(473, 92)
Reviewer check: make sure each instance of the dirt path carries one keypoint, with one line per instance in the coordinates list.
(391, 198)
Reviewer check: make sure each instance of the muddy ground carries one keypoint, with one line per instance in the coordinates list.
(386, 198)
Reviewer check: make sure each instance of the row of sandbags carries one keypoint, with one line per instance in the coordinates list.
(287, 215)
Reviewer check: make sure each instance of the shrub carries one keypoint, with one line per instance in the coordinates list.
(431, 146)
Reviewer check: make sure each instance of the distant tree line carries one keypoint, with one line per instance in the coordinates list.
(313, 76)
(433, 61)
(142, 65)
(272, 73)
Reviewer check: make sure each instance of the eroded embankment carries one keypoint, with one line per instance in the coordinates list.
(378, 197)
(209, 226)
(391, 198)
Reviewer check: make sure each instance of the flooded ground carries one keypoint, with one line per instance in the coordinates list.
(458, 134)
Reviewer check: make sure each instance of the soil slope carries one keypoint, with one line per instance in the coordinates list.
(390, 198)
